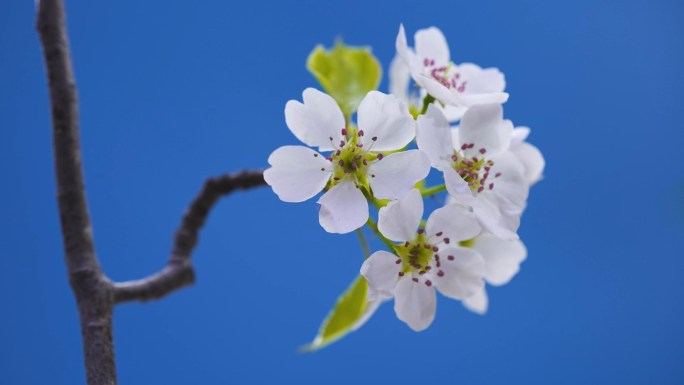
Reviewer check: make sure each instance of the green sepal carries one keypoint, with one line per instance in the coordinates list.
(346, 73)
(350, 312)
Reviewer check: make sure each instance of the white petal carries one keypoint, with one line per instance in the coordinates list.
(315, 121)
(478, 302)
(415, 303)
(519, 135)
(381, 271)
(399, 220)
(457, 187)
(433, 137)
(462, 274)
(343, 208)
(399, 78)
(455, 222)
(403, 50)
(436, 89)
(454, 113)
(481, 81)
(297, 173)
(489, 216)
(396, 174)
(484, 126)
(469, 100)
(532, 160)
(385, 121)
(431, 44)
(511, 187)
(502, 257)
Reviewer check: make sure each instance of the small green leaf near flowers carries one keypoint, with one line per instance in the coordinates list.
(346, 73)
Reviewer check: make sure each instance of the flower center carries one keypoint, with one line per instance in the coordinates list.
(446, 75)
(351, 159)
(475, 169)
(419, 256)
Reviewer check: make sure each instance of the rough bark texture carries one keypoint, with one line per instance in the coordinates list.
(92, 290)
(95, 294)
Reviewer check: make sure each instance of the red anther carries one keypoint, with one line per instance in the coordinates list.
(483, 150)
(414, 279)
(380, 156)
(428, 283)
(498, 174)
(420, 231)
(360, 132)
(398, 261)
(344, 131)
(440, 273)
(491, 186)
(374, 138)
(451, 257)
(341, 163)
(480, 189)
(401, 273)
(342, 143)
(439, 234)
(447, 240)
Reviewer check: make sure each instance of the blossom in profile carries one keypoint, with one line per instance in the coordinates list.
(424, 259)
(356, 166)
(457, 86)
(479, 169)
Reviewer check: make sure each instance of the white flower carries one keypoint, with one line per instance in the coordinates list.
(502, 262)
(529, 155)
(458, 86)
(479, 169)
(424, 260)
(356, 164)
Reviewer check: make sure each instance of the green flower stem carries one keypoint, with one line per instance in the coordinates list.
(430, 191)
(364, 243)
(429, 99)
(371, 223)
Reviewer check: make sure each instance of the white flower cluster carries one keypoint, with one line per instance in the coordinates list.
(486, 164)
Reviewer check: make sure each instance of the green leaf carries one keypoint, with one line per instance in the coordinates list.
(350, 312)
(346, 73)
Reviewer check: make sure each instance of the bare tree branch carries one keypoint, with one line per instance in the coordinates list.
(178, 272)
(92, 290)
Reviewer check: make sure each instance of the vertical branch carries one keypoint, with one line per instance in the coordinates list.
(92, 290)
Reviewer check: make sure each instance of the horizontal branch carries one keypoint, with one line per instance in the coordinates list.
(179, 272)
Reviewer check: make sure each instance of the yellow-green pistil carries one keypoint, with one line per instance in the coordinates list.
(474, 170)
(351, 160)
(420, 255)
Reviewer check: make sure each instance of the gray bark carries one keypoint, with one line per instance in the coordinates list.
(95, 294)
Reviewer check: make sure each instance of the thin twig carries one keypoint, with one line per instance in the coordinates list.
(178, 272)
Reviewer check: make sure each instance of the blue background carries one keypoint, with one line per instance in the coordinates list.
(172, 93)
